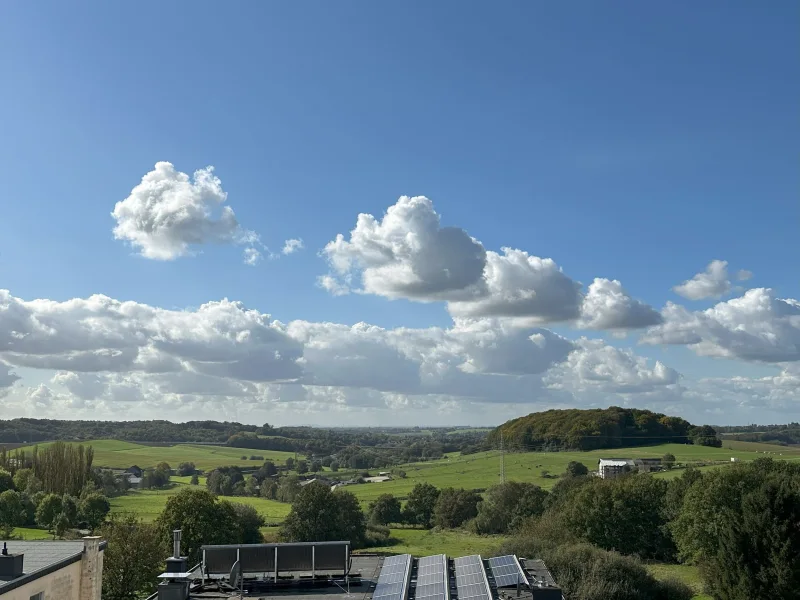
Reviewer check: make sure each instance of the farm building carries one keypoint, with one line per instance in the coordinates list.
(40, 570)
(647, 465)
(378, 479)
(321, 480)
(321, 570)
(135, 471)
(609, 468)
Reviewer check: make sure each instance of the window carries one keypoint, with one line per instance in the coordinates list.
(39, 596)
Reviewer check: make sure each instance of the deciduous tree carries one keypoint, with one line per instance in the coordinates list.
(385, 509)
(504, 507)
(421, 504)
(48, 510)
(577, 469)
(93, 509)
(454, 507)
(12, 512)
(133, 558)
(668, 460)
(318, 514)
(203, 518)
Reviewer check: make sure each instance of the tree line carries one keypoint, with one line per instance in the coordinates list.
(376, 447)
(25, 503)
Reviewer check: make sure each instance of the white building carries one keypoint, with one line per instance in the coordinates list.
(608, 468)
(52, 570)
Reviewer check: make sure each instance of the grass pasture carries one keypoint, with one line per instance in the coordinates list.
(421, 542)
(148, 504)
(762, 448)
(688, 574)
(481, 470)
(115, 454)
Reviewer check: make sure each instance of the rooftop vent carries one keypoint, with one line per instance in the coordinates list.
(10, 564)
(175, 581)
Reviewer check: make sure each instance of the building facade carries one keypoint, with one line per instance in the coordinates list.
(52, 570)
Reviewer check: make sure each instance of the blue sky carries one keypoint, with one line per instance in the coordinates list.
(630, 141)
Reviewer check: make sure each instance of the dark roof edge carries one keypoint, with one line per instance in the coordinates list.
(273, 545)
(56, 566)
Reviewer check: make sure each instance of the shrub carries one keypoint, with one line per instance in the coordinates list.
(586, 572)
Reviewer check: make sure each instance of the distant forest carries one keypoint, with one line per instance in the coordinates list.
(596, 429)
(784, 435)
(372, 447)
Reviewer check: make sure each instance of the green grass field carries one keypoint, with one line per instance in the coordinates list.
(421, 542)
(148, 504)
(687, 574)
(479, 471)
(115, 454)
(761, 448)
(32, 533)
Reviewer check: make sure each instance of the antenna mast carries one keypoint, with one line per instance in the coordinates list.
(502, 459)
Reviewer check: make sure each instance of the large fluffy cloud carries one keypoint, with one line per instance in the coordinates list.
(168, 213)
(757, 326)
(408, 254)
(102, 334)
(711, 283)
(595, 365)
(608, 306)
(516, 284)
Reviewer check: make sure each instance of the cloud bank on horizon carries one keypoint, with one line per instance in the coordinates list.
(520, 337)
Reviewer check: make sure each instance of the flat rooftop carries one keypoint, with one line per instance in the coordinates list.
(364, 574)
(364, 570)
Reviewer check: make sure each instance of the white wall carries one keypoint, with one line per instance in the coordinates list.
(64, 584)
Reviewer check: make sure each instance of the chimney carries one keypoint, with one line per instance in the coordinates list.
(91, 569)
(176, 563)
(175, 582)
(10, 564)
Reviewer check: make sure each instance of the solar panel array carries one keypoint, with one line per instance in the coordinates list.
(507, 571)
(432, 578)
(393, 580)
(471, 578)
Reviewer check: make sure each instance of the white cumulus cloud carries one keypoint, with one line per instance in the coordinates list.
(169, 213)
(291, 246)
(408, 254)
(757, 326)
(711, 283)
(608, 306)
(594, 365)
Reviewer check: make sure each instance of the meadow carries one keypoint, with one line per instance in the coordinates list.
(115, 454)
(481, 470)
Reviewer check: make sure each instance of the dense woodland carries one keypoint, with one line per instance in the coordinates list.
(596, 429)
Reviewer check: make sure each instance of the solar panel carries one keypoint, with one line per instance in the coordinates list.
(393, 580)
(471, 578)
(507, 571)
(432, 578)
